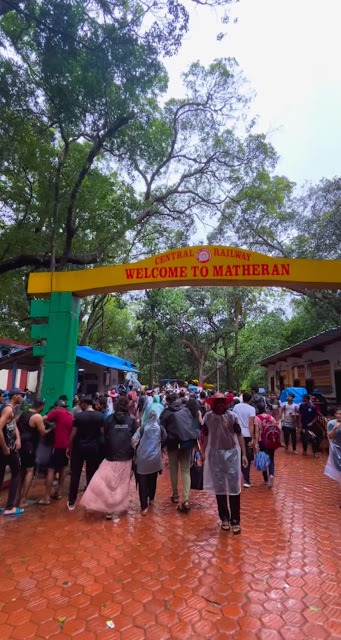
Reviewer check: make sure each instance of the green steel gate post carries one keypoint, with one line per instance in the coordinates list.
(61, 334)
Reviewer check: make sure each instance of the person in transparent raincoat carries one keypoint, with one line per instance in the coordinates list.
(333, 466)
(154, 404)
(148, 441)
(222, 446)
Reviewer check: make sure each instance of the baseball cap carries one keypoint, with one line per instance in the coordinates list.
(16, 392)
(61, 404)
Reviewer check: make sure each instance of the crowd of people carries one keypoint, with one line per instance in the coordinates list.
(138, 433)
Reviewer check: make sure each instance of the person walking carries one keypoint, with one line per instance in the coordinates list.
(148, 441)
(154, 405)
(333, 466)
(246, 418)
(63, 420)
(268, 438)
(222, 447)
(9, 451)
(203, 406)
(289, 417)
(108, 491)
(101, 405)
(308, 416)
(141, 403)
(87, 428)
(31, 426)
(275, 406)
(181, 438)
(75, 406)
(195, 409)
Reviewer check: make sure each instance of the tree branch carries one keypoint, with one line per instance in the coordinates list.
(214, 370)
(189, 346)
(29, 260)
(93, 153)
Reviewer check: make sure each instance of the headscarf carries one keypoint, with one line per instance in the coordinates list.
(155, 405)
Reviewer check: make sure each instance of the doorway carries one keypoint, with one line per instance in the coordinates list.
(338, 386)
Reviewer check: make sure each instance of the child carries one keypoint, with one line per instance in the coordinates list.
(148, 441)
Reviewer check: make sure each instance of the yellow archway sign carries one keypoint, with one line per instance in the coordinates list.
(196, 266)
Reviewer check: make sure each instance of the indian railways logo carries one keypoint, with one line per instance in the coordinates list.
(204, 255)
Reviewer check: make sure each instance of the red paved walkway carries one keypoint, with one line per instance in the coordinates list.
(64, 575)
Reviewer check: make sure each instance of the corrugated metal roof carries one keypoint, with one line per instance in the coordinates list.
(321, 339)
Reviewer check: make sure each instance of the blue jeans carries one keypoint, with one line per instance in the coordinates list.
(271, 454)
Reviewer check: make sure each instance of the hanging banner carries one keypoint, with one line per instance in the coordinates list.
(193, 266)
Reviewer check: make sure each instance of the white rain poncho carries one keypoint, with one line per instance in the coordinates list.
(333, 466)
(148, 458)
(222, 469)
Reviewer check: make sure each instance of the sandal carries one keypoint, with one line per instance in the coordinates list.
(24, 504)
(17, 512)
(56, 496)
(184, 507)
(225, 525)
(174, 499)
(236, 528)
(44, 501)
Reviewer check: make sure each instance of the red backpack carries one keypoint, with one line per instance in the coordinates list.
(271, 433)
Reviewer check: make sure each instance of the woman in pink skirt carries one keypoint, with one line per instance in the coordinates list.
(108, 491)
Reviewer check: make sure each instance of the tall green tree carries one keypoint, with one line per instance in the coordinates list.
(81, 87)
(268, 216)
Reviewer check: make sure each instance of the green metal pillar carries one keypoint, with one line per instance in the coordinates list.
(61, 334)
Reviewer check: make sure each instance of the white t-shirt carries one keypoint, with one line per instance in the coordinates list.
(244, 411)
(289, 412)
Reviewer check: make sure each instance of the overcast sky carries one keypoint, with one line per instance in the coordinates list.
(290, 52)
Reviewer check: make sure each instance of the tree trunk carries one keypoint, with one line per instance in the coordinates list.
(227, 368)
(201, 375)
(152, 361)
(152, 350)
(237, 313)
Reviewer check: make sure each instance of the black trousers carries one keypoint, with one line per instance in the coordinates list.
(13, 461)
(308, 439)
(287, 432)
(223, 509)
(250, 457)
(79, 455)
(147, 488)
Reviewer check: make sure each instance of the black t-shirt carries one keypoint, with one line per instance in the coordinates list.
(88, 425)
(308, 414)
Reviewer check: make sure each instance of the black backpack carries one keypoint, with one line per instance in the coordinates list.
(181, 426)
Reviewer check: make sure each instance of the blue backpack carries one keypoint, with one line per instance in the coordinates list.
(262, 461)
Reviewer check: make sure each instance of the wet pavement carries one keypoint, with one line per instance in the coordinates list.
(170, 575)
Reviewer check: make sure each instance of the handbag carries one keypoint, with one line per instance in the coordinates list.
(197, 474)
(262, 461)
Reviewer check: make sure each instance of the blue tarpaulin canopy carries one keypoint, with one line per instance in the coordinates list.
(105, 359)
(297, 392)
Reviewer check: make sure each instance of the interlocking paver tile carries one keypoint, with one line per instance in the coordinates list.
(169, 576)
